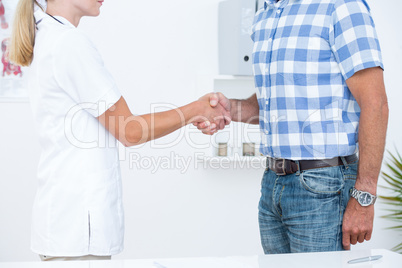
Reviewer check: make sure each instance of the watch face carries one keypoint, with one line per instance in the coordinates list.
(365, 199)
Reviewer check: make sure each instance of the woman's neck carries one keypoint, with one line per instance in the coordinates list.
(65, 11)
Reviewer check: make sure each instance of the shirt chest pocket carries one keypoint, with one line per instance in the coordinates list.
(299, 60)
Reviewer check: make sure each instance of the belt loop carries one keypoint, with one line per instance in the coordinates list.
(298, 167)
(345, 163)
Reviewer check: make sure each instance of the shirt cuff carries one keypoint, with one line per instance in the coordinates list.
(363, 66)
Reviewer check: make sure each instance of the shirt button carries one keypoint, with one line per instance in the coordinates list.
(266, 70)
(278, 11)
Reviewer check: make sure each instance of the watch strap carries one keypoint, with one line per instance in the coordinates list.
(356, 194)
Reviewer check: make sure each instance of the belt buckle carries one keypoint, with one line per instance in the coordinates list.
(283, 168)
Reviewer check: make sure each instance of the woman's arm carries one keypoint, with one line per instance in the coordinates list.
(133, 130)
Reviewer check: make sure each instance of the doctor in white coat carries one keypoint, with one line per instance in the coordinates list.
(79, 115)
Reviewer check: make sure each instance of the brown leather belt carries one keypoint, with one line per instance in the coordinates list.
(285, 167)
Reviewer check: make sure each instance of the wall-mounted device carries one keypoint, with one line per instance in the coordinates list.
(235, 44)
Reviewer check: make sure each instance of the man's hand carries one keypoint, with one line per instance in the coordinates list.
(215, 99)
(357, 223)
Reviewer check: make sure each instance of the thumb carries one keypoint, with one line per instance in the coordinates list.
(213, 99)
(225, 102)
(346, 241)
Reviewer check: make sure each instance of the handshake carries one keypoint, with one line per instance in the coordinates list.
(216, 113)
(209, 114)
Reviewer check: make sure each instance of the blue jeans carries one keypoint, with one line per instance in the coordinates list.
(303, 212)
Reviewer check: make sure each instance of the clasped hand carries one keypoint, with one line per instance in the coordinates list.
(217, 113)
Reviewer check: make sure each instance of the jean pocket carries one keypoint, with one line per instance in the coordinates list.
(322, 180)
(350, 173)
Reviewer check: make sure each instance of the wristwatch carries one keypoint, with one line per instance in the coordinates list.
(364, 198)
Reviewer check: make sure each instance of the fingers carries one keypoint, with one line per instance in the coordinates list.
(209, 130)
(221, 124)
(214, 112)
(203, 125)
(360, 238)
(207, 127)
(212, 128)
(357, 224)
(346, 240)
(217, 98)
(368, 236)
(225, 115)
(210, 133)
(227, 118)
(211, 98)
(349, 240)
(353, 239)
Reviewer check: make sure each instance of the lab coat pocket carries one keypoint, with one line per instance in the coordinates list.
(105, 213)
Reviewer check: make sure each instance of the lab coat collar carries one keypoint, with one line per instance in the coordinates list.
(64, 21)
(40, 15)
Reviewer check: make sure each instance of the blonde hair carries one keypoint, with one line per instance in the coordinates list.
(23, 34)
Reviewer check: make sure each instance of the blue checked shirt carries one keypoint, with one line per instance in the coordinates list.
(304, 51)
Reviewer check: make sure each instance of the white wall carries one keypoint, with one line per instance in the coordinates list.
(157, 51)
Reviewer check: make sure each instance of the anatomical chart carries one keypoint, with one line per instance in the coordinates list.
(12, 84)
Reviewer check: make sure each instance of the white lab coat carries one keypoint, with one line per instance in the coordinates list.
(78, 206)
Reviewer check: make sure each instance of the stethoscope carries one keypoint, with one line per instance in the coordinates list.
(50, 16)
(55, 18)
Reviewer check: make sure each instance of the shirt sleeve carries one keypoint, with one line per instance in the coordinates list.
(353, 37)
(80, 72)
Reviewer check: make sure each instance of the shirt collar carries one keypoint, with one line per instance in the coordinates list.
(274, 4)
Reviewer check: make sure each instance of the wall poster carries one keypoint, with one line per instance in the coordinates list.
(12, 84)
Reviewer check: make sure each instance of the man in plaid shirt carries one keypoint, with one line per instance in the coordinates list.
(322, 109)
